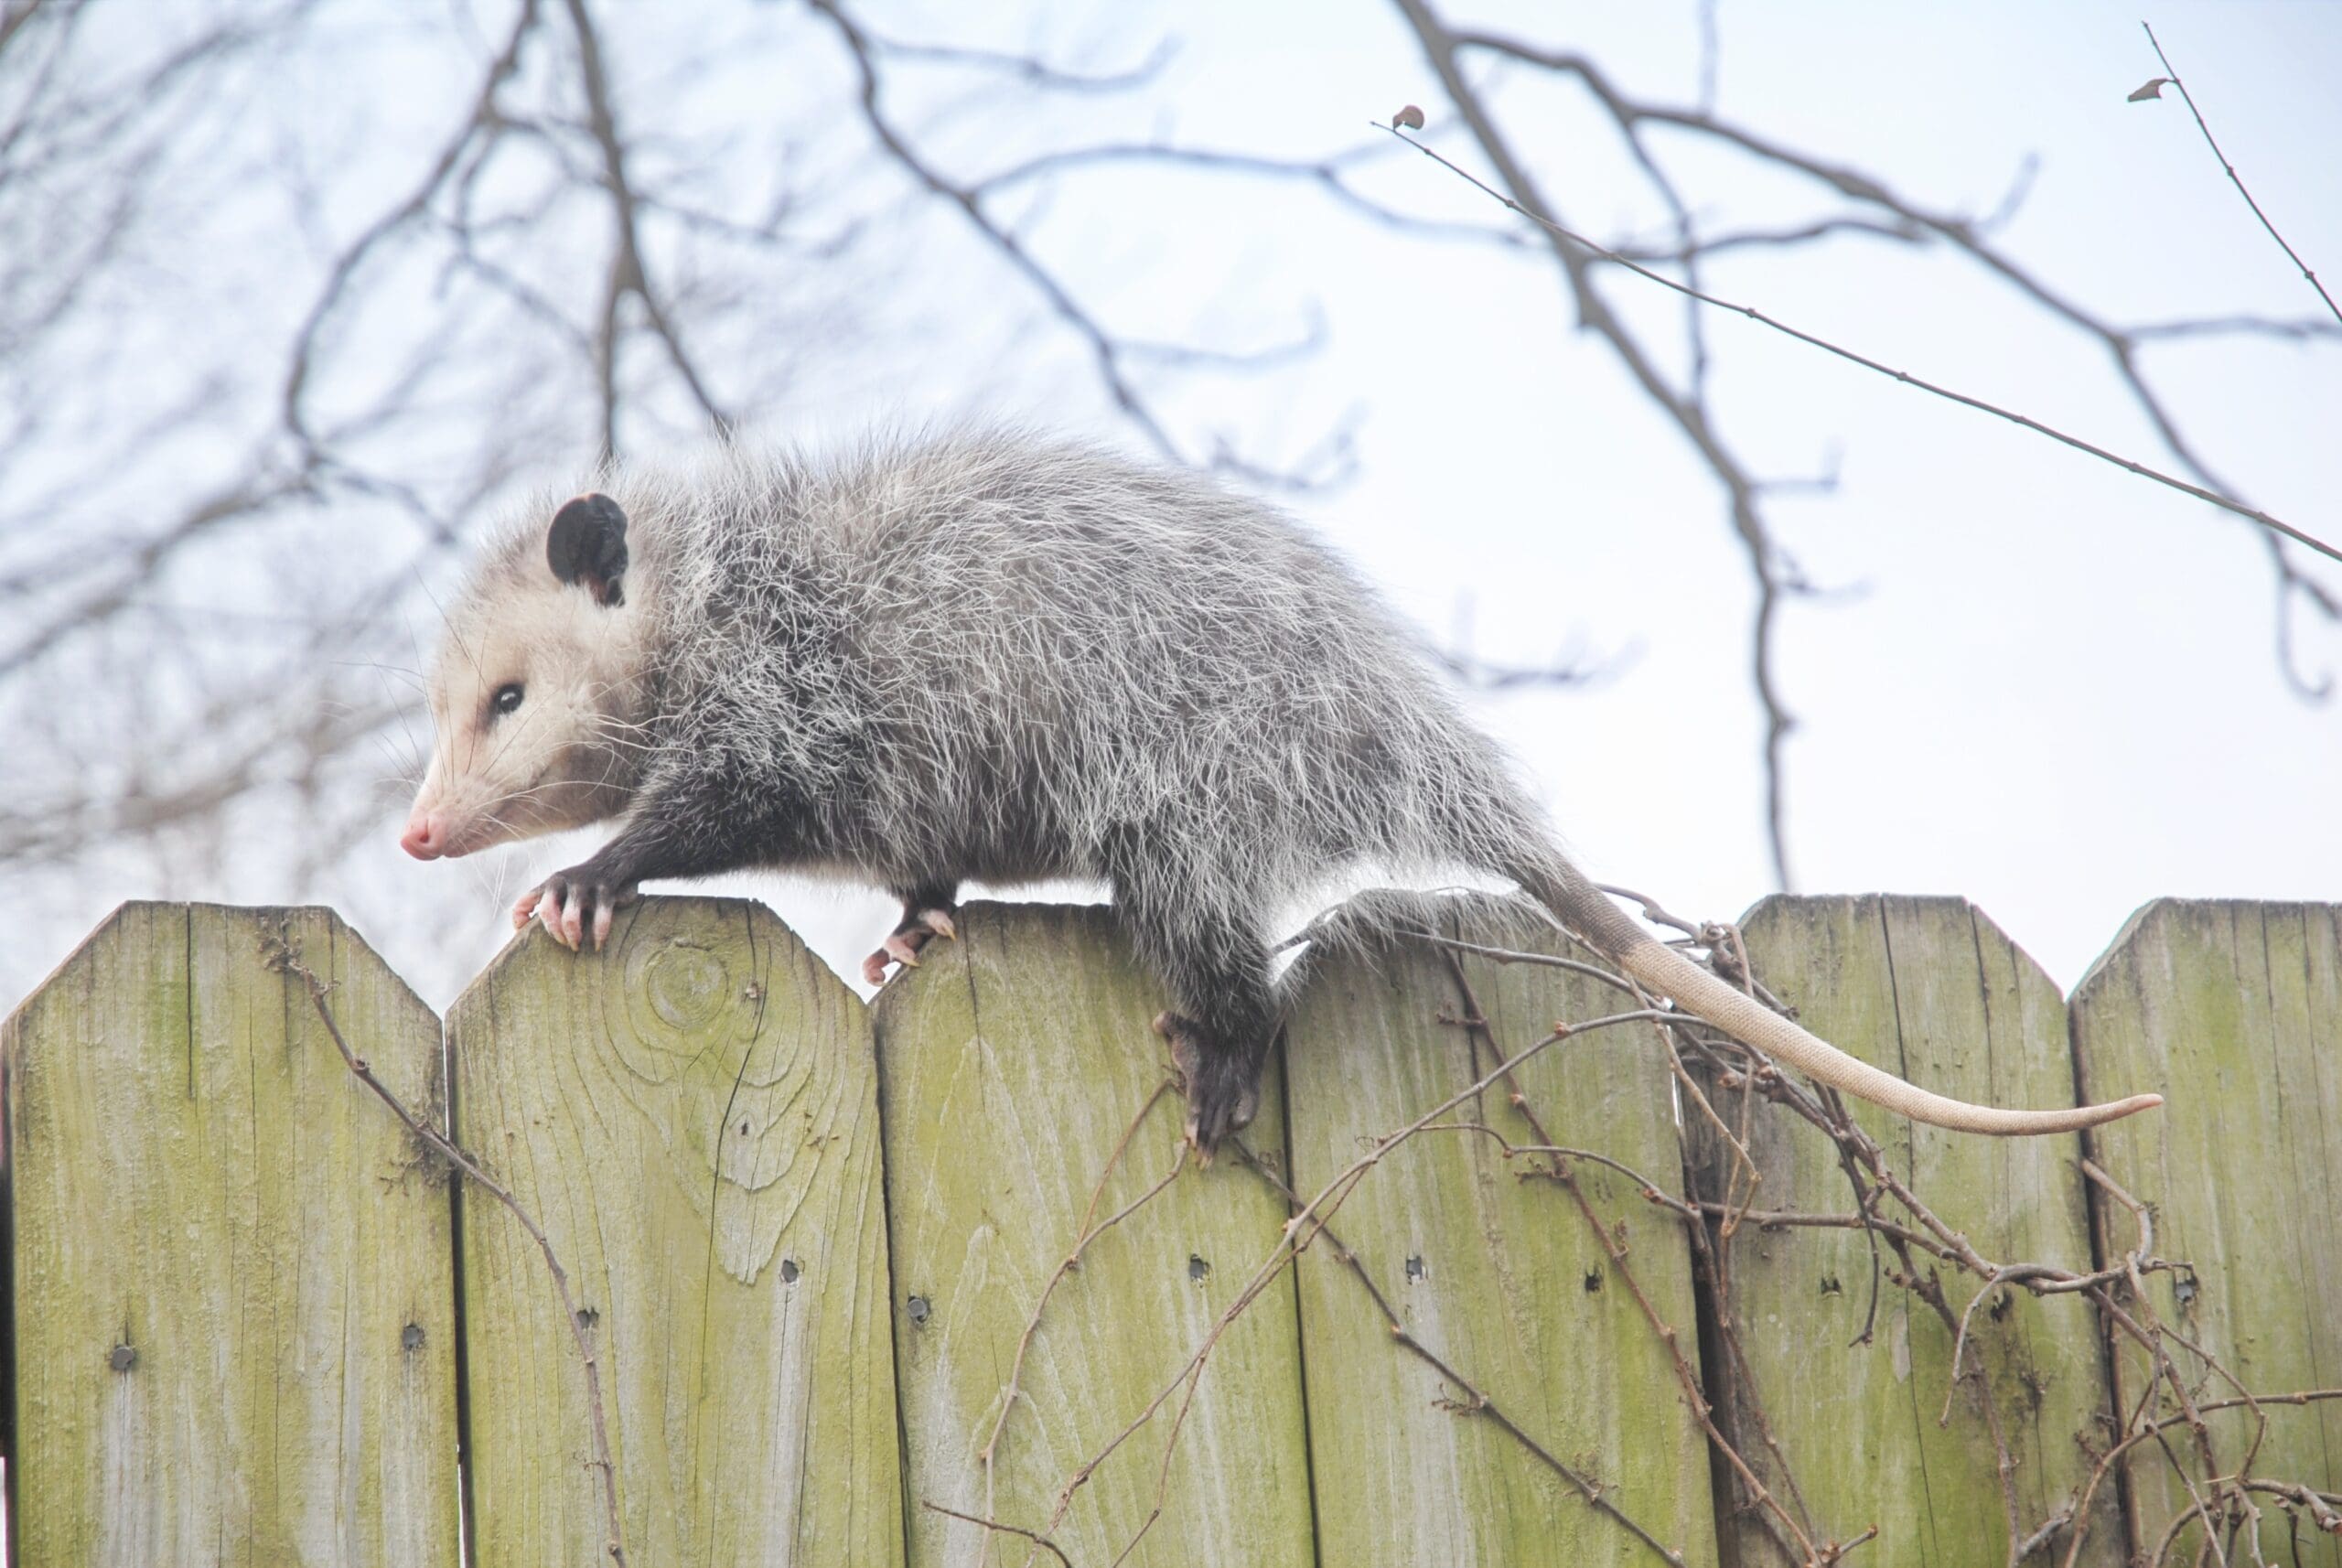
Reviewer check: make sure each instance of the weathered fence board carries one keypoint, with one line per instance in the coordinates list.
(1502, 1277)
(248, 1321)
(1013, 1064)
(2234, 1011)
(691, 1116)
(234, 1334)
(1931, 990)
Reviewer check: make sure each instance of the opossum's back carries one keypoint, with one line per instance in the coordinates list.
(1060, 590)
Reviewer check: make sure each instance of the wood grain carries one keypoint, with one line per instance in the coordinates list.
(234, 1313)
(1931, 990)
(1015, 1061)
(2233, 1012)
(691, 1116)
(1500, 1275)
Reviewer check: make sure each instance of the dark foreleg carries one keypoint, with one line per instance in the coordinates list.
(1223, 1013)
(927, 911)
(693, 827)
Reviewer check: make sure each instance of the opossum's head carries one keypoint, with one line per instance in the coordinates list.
(537, 695)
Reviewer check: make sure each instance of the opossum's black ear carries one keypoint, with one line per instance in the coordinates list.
(588, 547)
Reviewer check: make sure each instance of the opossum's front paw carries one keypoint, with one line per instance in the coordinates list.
(574, 905)
(1224, 1094)
(903, 943)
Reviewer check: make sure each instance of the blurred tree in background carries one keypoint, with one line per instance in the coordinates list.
(293, 293)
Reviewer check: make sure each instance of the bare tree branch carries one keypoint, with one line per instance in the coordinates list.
(1687, 412)
(1109, 351)
(1102, 349)
(628, 274)
(1880, 214)
(13, 17)
(1032, 71)
(1328, 174)
(1905, 377)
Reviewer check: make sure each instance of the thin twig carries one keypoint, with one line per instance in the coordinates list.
(1614, 1251)
(1039, 1539)
(2236, 180)
(1475, 1401)
(1301, 1228)
(629, 272)
(1012, 1390)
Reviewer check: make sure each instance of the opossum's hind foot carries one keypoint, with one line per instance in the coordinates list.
(574, 906)
(903, 943)
(1223, 1082)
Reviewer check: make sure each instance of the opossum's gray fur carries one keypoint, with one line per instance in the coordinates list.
(988, 655)
(991, 631)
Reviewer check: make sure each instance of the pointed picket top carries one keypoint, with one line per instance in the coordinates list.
(697, 1006)
(217, 1230)
(691, 1116)
(2232, 1011)
(1018, 1061)
(1932, 990)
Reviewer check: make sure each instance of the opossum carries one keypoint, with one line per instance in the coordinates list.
(993, 656)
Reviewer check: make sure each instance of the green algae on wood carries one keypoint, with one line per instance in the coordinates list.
(691, 1116)
(1932, 991)
(2233, 1013)
(1013, 1061)
(1497, 1273)
(234, 1304)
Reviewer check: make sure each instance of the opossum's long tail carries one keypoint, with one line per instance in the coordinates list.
(1584, 907)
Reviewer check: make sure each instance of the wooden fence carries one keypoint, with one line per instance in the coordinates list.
(819, 1256)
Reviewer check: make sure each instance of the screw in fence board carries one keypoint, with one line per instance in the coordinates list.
(234, 1293)
(1497, 1272)
(1012, 1062)
(2233, 1012)
(1931, 989)
(691, 1116)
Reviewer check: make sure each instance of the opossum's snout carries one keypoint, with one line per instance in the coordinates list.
(536, 698)
(434, 832)
(457, 811)
(426, 835)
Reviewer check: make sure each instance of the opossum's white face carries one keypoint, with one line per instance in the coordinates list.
(536, 704)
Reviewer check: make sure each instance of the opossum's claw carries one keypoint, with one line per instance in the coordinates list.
(561, 918)
(573, 906)
(899, 947)
(903, 943)
(1221, 1100)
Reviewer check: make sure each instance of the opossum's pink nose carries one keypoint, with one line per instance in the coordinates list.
(426, 837)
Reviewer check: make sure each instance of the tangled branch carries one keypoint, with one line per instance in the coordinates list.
(1878, 212)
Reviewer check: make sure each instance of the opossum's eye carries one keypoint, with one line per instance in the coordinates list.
(506, 698)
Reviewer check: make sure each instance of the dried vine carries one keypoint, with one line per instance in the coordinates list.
(1726, 1087)
(283, 954)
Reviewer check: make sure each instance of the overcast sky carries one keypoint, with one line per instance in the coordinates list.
(2046, 685)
